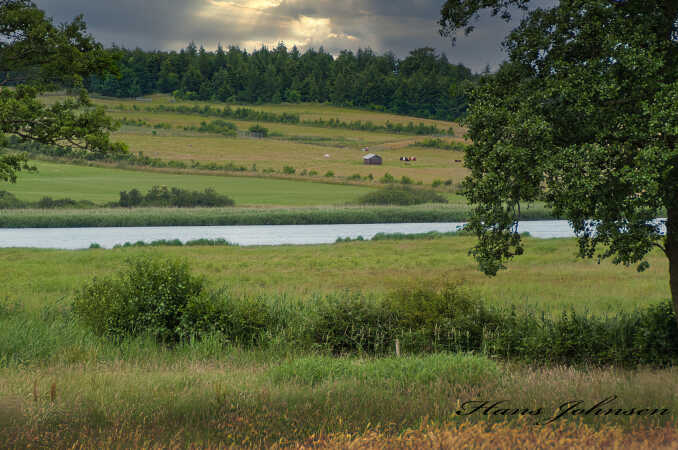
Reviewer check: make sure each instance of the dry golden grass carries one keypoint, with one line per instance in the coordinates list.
(480, 436)
(342, 145)
(470, 436)
(306, 111)
(431, 164)
(159, 402)
(352, 138)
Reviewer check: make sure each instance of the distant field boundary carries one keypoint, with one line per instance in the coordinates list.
(145, 164)
(252, 115)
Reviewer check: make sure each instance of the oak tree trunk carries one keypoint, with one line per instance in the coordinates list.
(672, 253)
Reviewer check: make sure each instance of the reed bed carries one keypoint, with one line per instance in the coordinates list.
(142, 217)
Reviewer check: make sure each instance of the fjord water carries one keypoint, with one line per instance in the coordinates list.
(78, 238)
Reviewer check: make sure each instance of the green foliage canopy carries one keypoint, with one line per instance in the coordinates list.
(36, 56)
(583, 115)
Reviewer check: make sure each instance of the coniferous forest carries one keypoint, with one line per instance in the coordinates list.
(424, 84)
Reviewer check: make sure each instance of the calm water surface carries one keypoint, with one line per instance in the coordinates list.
(77, 238)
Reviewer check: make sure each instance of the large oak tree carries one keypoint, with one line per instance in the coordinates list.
(36, 56)
(583, 115)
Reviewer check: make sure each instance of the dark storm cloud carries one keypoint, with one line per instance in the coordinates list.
(383, 25)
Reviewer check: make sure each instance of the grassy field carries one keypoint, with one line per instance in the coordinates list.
(548, 277)
(298, 145)
(102, 185)
(63, 386)
(306, 111)
(73, 388)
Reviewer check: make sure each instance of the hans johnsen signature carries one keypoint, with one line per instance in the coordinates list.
(571, 408)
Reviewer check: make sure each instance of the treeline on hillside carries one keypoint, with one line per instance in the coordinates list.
(424, 84)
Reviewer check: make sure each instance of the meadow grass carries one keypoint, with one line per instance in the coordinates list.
(102, 185)
(391, 371)
(275, 153)
(306, 111)
(232, 400)
(548, 277)
(298, 145)
(63, 386)
(337, 136)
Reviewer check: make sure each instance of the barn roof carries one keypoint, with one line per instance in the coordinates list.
(370, 156)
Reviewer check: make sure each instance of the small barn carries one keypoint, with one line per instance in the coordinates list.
(371, 158)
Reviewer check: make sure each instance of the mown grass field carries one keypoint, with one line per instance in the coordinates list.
(102, 185)
(73, 388)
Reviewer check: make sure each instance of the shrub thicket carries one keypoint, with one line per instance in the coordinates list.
(240, 113)
(401, 196)
(440, 143)
(259, 130)
(182, 198)
(9, 201)
(352, 323)
(164, 300)
(218, 127)
(172, 243)
(149, 297)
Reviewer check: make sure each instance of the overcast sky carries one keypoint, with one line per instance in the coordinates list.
(382, 25)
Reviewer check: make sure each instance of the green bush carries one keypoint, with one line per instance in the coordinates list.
(387, 178)
(401, 196)
(220, 127)
(644, 337)
(289, 170)
(440, 143)
(174, 243)
(165, 197)
(50, 203)
(406, 180)
(258, 129)
(329, 174)
(163, 300)
(446, 317)
(352, 324)
(148, 297)
(9, 201)
(241, 320)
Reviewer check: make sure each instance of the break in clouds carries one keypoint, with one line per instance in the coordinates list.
(382, 25)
